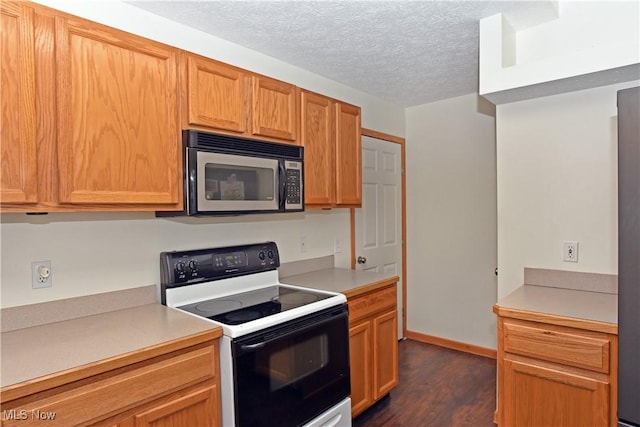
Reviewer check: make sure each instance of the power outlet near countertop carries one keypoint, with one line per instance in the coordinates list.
(570, 251)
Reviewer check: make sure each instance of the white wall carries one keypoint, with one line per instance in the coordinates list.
(105, 252)
(93, 253)
(557, 181)
(587, 37)
(451, 220)
(582, 27)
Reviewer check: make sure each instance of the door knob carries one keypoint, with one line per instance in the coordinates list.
(361, 260)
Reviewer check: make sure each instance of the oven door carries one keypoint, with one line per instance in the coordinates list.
(289, 374)
(232, 183)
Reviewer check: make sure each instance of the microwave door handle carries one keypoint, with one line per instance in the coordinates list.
(282, 172)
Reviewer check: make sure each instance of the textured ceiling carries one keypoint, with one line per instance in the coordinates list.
(407, 52)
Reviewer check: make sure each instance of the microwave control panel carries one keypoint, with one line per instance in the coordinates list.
(293, 196)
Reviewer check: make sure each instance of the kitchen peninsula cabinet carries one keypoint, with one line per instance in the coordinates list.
(19, 178)
(330, 134)
(106, 116)
(227, 99)
(166, 389)
(373, 320)
(555, 370)
(163, 378)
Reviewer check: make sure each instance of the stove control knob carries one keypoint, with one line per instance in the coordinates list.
(270, 254)
(261, 255)
(180, 267)
(193, 265)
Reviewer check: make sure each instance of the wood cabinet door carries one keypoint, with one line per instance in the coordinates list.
(318, 140)
(360, 359)
(215, 94)
(118, 138)
(18, 159)
(194, 409)
(385, 353)
(348, 154)
(274, 110)
(540, 396)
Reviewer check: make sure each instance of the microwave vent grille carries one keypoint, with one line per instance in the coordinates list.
(230, 144)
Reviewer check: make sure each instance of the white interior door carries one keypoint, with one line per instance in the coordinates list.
(378, 233)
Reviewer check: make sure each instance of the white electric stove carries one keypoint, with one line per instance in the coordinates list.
(284, 354)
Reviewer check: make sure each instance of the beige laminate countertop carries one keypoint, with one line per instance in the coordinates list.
(33, 354)
(343, 280)
(593, 310)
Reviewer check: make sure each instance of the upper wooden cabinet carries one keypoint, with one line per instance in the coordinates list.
(318, 138)
(330, 134)
(275, 109)
(348, 155)
(90, 116)
(118, 137)
(227, 99)
(215, 94)
(18, 162)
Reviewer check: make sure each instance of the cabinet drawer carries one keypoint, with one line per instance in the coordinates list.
(561, 346)
(370, 303)
(108, 396)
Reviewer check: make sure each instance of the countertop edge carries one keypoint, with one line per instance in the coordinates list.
(35, 385)
(370, 287)
(348, 282)
(554, 319)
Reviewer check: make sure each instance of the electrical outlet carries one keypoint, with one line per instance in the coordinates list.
(570, 251)
(41, 276)
(303, 244)
(337, 246)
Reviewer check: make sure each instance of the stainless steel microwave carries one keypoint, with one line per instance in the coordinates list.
(227, 175)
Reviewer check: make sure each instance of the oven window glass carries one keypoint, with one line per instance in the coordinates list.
(232, 182)
(292, 373)
(291, 361)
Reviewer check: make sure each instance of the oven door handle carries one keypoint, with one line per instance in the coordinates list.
(247, 348)
(251, 347)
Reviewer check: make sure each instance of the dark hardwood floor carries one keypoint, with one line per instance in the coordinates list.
(438, 387)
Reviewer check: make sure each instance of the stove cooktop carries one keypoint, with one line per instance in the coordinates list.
(244, 307)
(237, 287)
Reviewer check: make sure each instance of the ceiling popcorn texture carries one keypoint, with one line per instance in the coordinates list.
(406, 52)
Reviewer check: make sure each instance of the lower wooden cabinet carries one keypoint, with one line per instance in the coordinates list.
(555, 375)
(196, 408)
(373, 346)
(179, 389)
(543, 396)
(360, 348)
